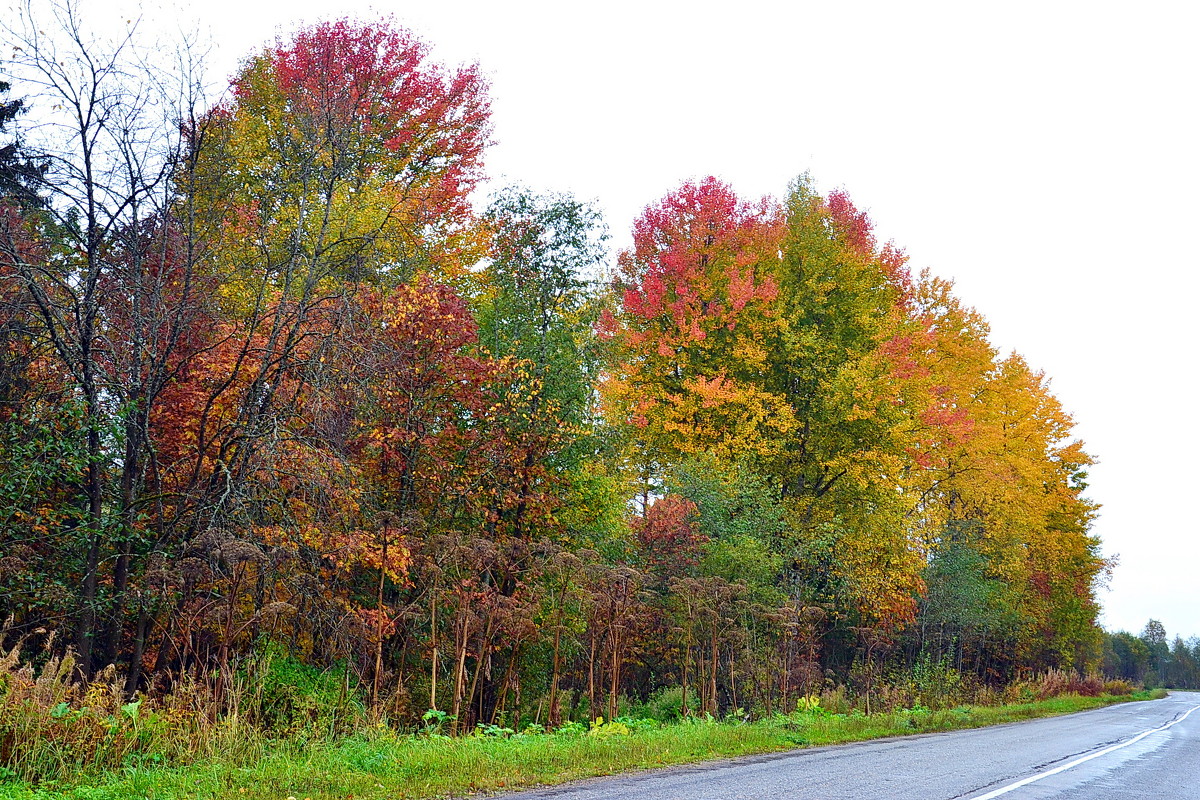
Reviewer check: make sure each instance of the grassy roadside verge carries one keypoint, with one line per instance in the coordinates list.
(383, 764)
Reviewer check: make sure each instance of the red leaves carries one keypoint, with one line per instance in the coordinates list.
(422, 330)
(895, 266)
(668, 535)
(698, 299)
(410, 350)
(695, 257)
(854, 227)
(358, 110)
(355, 68)
(373, 82)
(442, 426)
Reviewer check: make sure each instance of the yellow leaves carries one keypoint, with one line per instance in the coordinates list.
(751, 351)
(374, 551)
(281, 191)
(1073, 454)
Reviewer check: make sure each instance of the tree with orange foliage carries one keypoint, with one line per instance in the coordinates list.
(695, 307)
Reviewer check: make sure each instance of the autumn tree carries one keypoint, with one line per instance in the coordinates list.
(537, 309)
(1000, 484)
(335, 150)
(840, 471)
(269, 382)
(343, 153)
(106, 158)
(338, 167)
(696, 299)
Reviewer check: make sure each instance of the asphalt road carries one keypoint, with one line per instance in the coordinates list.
(1132, 750)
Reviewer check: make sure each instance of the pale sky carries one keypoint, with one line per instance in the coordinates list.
(1043, 155)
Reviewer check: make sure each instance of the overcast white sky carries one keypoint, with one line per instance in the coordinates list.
(1041, 154)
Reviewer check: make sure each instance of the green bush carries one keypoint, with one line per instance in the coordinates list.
(936, 683)
(664, 705)
(290, 699)
(639, 724)
(572, 728)
(604, 730)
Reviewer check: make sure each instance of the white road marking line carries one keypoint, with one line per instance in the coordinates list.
(1078, 761)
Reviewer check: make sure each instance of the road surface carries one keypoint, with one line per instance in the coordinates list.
(1133, 750)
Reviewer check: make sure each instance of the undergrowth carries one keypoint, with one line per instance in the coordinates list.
(284, 729)
(378, 762)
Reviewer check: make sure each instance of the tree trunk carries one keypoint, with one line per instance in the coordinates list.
(484, 647)
(712, 678)
(554, 716)
(614, 678)
(683, 682)
(460, 666)
(433, 662)
(379, 628)
(592, 678)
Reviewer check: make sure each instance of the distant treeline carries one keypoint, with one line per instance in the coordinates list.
(1149, 659)
(269, 381)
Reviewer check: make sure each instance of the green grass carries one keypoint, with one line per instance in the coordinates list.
(382, 764)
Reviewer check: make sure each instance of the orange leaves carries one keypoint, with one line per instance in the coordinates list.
(383, 550)
(994, 456)
(697, 293)
(441, 429)
(712, 392)
(669, 536)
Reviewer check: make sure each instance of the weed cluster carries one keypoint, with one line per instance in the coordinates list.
(53, 727)
(57, 731)
(1058, 683)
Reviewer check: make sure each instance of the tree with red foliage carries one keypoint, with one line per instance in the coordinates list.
(668, 537)
(695, 304)
(345, 152)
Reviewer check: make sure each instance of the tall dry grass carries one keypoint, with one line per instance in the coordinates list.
(55, 727)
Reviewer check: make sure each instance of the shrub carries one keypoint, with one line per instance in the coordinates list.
(1090, 685)
(836, 700)
(664, 705)
(53, 727)
(1054, 683)
(572, 728)
(290, 699)
(603, 729)
(810, 704)
(937, 684)
(638, 724)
